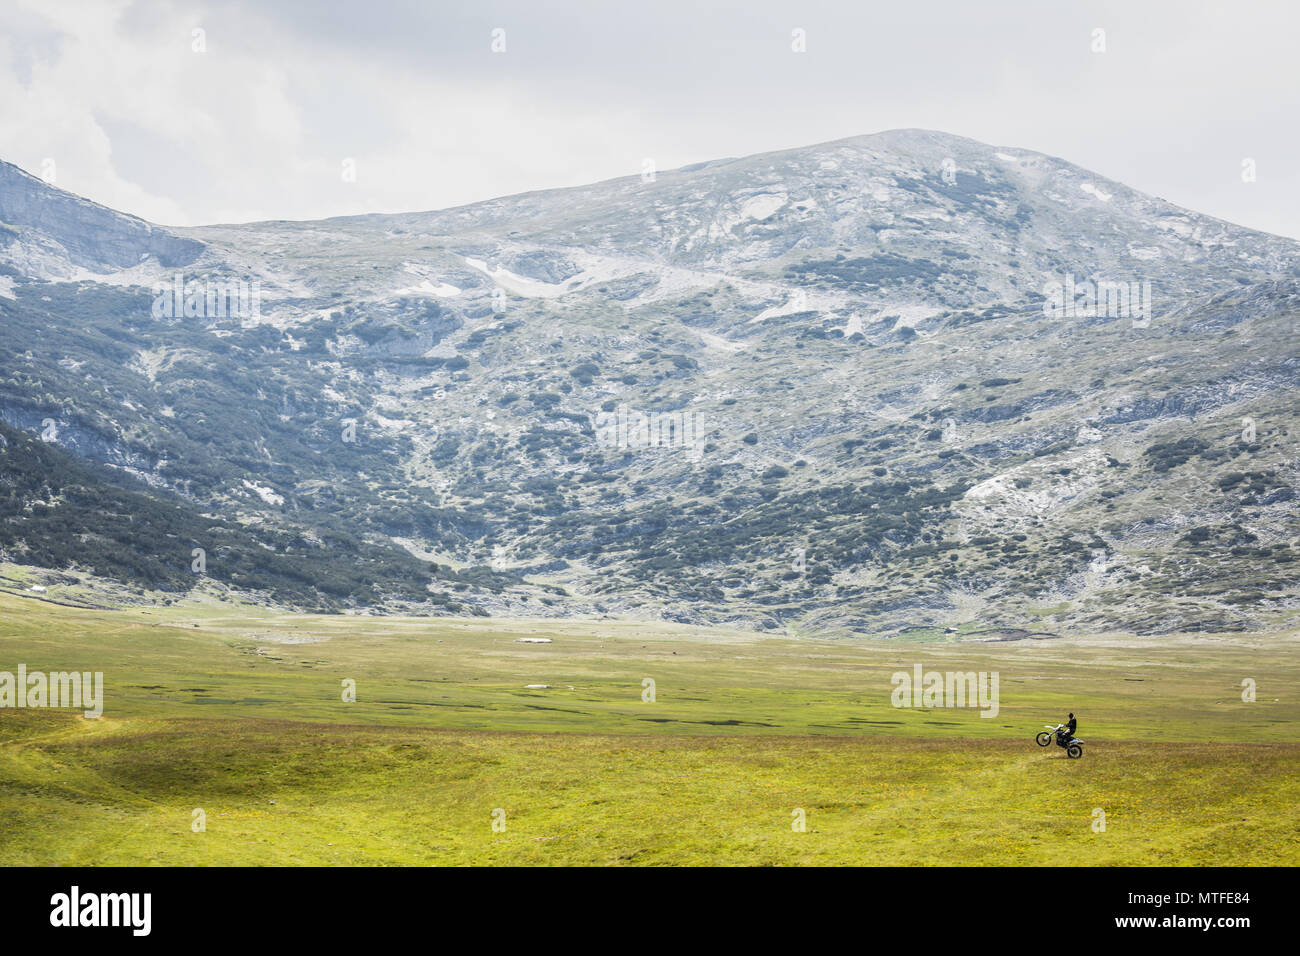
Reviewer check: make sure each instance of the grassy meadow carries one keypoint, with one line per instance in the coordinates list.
(447, 755)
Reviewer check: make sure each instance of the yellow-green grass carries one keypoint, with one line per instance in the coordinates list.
(123, 792)
(230, 717)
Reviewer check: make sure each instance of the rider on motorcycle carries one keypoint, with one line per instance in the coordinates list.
(1066, 733)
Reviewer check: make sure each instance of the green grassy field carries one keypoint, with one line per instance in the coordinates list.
(239, 712)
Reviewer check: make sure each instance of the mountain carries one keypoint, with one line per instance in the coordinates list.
(51, 233)
(892, 383)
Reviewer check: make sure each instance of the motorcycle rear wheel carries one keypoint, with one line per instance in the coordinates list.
(1044, 738)
(1074, 750)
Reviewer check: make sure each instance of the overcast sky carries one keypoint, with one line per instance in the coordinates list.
(113, 98)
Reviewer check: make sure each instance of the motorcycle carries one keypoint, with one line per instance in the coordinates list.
(1073, 745)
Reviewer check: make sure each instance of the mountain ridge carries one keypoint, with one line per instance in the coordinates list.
(894, 429)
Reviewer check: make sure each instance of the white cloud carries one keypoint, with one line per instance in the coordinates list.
(258, 126)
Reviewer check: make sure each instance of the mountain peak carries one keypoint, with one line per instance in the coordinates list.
(941, 378)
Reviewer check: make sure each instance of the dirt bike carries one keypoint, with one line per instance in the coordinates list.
(1073, 745)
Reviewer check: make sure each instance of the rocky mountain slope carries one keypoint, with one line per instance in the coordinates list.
(851, 388)
(53, 233)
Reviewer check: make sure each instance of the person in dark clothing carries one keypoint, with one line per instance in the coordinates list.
(1066, 733)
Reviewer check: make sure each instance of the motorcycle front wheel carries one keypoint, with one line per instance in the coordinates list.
(1044, 738)
(1074, 750)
